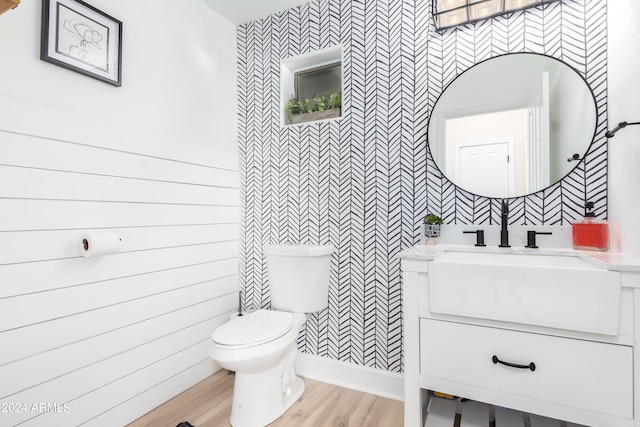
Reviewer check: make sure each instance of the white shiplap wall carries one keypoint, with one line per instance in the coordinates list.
(112, 336)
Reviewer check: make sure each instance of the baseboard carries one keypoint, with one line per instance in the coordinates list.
(369, 380)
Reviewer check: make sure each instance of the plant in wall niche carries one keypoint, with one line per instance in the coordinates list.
(322, 107)
(335, 99)
(292, 107)
(432, 225)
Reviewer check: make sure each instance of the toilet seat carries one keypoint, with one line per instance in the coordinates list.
(253, 329)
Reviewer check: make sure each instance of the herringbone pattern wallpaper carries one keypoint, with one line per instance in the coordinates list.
(363, 183)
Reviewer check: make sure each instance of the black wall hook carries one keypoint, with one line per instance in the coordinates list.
(576, 156)
(620, 125)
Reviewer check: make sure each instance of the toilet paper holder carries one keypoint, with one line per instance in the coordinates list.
(97, 244)
(85, 244)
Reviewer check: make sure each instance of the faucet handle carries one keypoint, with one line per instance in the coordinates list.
(479, 236)
(531, 238)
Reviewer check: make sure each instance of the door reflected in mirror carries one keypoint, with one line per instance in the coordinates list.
(507, 126)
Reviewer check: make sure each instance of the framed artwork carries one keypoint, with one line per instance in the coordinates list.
(79, 37)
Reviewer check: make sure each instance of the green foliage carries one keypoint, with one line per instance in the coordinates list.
(321, 103)
(309, 105)
(292, 106)
(433, 219)
(335, 100)
(317, 103)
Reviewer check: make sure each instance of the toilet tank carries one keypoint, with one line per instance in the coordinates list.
(299, 276)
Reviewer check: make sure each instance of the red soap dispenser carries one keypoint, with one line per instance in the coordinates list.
(590, 233)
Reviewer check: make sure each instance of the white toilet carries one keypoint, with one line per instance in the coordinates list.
(261, 346)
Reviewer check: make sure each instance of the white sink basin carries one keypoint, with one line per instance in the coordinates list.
(560, 291)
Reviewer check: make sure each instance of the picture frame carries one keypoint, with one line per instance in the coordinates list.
(81, 38)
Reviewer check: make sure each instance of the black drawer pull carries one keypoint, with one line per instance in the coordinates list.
(531, 365)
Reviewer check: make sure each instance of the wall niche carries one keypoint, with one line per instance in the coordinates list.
(311, 86)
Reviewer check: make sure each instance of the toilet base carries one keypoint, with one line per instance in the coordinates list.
(260, 398)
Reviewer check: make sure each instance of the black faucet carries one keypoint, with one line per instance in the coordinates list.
(531, 238)
(479, 236)
(504, 217)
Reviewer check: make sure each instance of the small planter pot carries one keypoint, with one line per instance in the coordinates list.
(316, 115)
(431, 231)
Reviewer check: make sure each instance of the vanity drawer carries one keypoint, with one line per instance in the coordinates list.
(582, 374)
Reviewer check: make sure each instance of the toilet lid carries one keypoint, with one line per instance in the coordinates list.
(253, 328)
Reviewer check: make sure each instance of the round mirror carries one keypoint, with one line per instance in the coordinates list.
(512, 125)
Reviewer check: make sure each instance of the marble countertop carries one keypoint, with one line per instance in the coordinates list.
(613, 261)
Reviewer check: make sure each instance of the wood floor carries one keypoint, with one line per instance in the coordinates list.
(208, 404)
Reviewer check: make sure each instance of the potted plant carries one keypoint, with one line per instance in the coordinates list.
(432, 225)
(317, 108)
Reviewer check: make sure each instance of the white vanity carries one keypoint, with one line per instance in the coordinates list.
(544, 331)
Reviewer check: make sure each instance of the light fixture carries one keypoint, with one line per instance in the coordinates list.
(510, 5)
(449, 13)
(454, 12)
(480, 9)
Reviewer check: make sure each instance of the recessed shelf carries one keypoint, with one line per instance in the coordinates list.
(290, 66)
